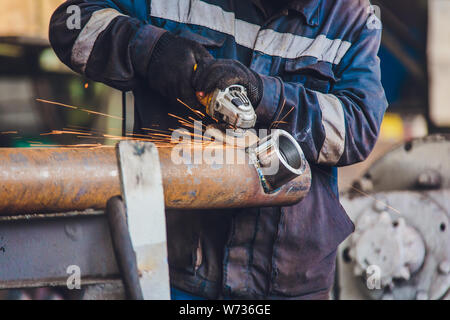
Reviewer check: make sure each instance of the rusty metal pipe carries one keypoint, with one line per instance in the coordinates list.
(62, 180)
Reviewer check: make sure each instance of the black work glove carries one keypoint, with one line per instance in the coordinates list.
(222, 73)
(171, 67)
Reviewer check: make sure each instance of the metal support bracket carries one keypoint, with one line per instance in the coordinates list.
(143, 195)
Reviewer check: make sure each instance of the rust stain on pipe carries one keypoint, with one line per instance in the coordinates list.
(56, 180)
(62, 180)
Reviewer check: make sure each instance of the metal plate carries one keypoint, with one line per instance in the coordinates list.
(142, 192)
(429, 214)
(403, 167)
(37, 252)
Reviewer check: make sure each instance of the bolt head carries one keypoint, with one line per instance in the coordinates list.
(388, 296)
(380, 205)
(444, 267)
(404, 273)
(430, 179)
(357, 271)
(385, 217)
(422, 295)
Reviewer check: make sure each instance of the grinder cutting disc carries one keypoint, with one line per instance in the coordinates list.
(232, 137)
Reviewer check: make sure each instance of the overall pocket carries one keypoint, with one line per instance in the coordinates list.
(309, 234)
(313, 74)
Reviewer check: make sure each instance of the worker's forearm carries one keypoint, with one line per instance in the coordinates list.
(337, 128)
(109, 46)
(337, 125)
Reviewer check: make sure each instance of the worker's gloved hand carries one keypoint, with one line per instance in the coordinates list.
(171, 67)
(222, 73)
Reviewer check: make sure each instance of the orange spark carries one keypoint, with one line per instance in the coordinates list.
(101, 114)
(199, 113)
(60, 132)
(80, 109)
(56, 103)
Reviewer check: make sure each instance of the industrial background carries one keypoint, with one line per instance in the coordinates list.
(43, 103)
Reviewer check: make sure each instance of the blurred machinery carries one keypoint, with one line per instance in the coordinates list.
(400, 204)
(30, 70)
(401, 210)
(26, 18)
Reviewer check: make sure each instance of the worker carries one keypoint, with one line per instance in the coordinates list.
(311, 63)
